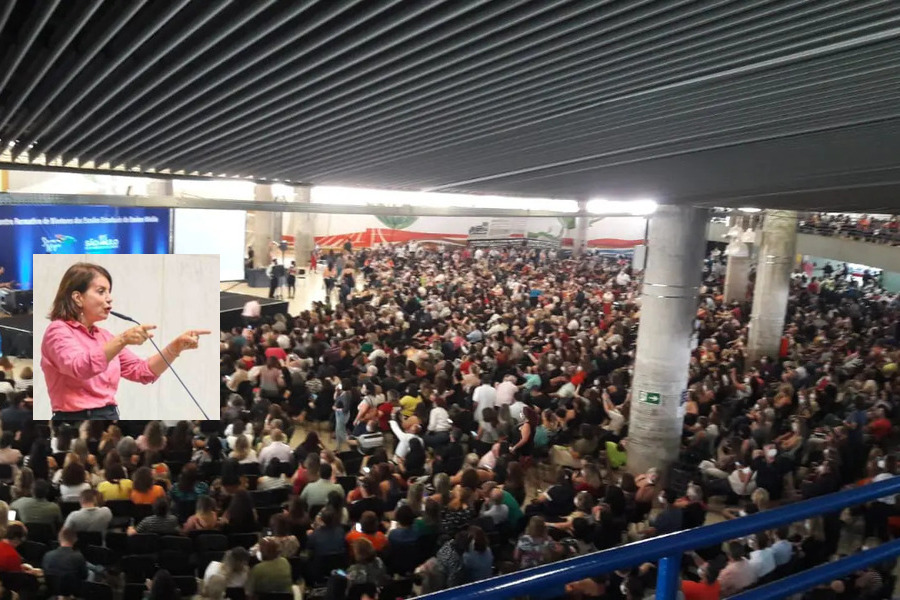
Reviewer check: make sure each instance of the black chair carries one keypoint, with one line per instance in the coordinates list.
(204, 558)
(235, 593)
(207, 541)
(138, 568)
(252, 480)
(96, 591)
(142, 543)
(276, 596)
(247, 540)
(41, 532)
(187, 584)
(89, 538)
(68, 507)
(397, 588)
(261, 498)
(140, 511)
(33, 552)
(134, 591)
(280, 495)
(265, 513)
(349, 483)
(175, 562)
(176, 542)
(117, 541)
(122, 511)
(322, 566)
(251, 468)
(402, 559)
(25, 585)
(298, 567)
(6, 473)
(98, 555)
(428, 544)
(63, 585)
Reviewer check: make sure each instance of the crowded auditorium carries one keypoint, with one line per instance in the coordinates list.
(460, 414)
(516, 300)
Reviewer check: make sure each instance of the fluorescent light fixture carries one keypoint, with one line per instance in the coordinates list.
(322, 194)
(601, 206)
(749, 210)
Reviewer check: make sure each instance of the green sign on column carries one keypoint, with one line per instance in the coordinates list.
(649, 398)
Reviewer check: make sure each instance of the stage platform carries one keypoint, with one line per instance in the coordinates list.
(17, 333)
(232, 305)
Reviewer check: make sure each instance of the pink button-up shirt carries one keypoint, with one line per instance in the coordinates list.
(76, 370)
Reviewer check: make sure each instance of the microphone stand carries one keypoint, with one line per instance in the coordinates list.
(171, 368)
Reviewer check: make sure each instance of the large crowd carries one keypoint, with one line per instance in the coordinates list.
(453, 413)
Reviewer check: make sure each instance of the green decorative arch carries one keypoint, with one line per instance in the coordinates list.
(396, 222)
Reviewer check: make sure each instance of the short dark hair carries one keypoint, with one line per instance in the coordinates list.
(369, 522)
(41, 489)
(325, 471)
(405, 515)
(161, 506)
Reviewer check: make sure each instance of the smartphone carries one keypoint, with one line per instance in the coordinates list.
(340, 572)
(358, 527)
(12, 515)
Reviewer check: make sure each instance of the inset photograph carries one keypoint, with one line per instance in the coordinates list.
(129, 336)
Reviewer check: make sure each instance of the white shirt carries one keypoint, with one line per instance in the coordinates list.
(517, 411)
(483, 396)
(439, 420)
(403, 439)
(506, 392)
(278, 450)
(891, 500)
(737, 486)
(763, 562)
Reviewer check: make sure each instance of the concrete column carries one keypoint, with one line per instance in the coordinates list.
(263, 228)
(737, 278)
(581, 226)
(775, 262)
(675, 247)
(301, 227)
(160, 187)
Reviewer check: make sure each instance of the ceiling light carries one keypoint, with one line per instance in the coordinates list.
(749, 209)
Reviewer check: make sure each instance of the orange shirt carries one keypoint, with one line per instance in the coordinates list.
(378, 539)
(147, 497)
(694, 590)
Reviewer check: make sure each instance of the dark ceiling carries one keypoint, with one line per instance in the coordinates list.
(789, 103)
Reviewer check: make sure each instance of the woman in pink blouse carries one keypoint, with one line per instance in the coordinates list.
(83, 363)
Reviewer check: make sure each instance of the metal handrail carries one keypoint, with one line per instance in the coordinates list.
(668, 550)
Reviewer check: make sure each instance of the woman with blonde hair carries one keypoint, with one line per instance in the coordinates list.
(242, 452)
(153, 439)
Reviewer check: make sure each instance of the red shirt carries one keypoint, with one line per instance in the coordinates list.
(700, 591)
(880, 428)
(278, 353)
(10, 560)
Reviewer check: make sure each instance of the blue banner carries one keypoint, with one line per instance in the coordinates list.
(28, 230)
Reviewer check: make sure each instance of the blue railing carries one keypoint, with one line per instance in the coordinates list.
(668, 550)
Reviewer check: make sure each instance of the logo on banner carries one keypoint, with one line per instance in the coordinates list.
(59, 244)
(100, 243)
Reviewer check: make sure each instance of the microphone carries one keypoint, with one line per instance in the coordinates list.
(171, 368)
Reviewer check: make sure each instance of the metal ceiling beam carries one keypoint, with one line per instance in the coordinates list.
(18, 198)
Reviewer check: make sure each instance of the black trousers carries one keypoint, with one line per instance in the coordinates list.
(110, 412)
